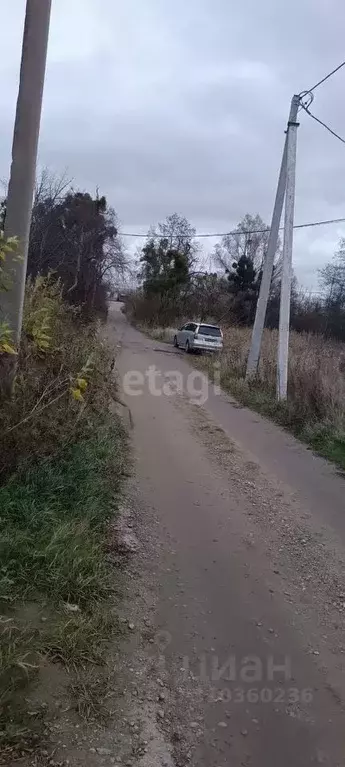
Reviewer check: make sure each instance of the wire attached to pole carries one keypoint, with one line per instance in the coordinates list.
(307, 110)
(330, 74)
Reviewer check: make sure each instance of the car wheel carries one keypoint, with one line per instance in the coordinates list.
(175, 342)
(187, 347)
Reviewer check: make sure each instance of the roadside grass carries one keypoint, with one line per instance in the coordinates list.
(315, 408)
(55, 582)
(63, 456)
(159, 334)
(92, 696)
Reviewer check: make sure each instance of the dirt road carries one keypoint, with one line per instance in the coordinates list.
(249, 532)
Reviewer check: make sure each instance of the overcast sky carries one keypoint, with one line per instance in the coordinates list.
(181, 106)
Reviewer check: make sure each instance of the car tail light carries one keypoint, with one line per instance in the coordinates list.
(195, 335)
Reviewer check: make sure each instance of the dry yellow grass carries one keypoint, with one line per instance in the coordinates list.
(316, 372)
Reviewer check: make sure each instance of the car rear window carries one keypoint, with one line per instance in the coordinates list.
(209, 330)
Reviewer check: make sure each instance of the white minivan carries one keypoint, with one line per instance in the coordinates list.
(199, 336)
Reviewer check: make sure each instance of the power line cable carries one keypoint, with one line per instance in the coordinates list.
(330, 74)
(248, 231)
(307, 110)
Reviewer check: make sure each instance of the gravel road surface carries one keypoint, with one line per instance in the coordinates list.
(248, 528)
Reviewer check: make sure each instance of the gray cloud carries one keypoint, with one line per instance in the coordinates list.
(182, 106)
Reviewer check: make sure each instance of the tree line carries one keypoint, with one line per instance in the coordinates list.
(75, 235)
(174, 286)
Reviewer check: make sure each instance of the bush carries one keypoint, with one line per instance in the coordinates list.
(63, 379)
(158, 310)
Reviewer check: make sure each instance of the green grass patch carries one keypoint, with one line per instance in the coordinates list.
(327, 441)
(54, 577)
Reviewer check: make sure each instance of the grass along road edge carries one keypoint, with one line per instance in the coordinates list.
(55, 579)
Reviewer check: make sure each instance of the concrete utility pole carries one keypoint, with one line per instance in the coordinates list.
(285, 293)
(261, 308)
(24, 154)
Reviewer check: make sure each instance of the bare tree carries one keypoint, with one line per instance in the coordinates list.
(332, 278)
(250, 240)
